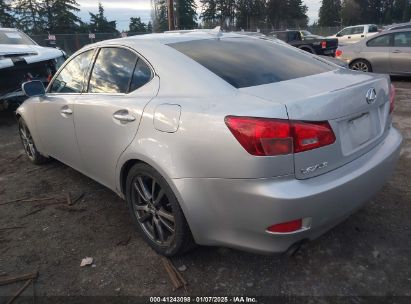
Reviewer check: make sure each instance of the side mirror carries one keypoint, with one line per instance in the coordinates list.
(33, 88)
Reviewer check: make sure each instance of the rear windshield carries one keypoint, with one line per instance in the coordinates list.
(14, 37)
(245, 62)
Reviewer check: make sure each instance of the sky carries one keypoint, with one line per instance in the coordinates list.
(122, 10)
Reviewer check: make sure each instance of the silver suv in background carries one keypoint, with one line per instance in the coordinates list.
(353, 34)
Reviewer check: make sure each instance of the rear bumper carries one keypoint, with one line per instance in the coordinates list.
(237, 212)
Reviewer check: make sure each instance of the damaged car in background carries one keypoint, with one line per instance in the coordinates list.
(21, 60)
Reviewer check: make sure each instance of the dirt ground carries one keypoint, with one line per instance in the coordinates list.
(367, 255)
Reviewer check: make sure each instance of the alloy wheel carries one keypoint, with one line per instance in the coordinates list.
(153, 210)
(27, 141)
(360, 66)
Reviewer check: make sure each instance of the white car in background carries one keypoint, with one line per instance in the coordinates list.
(21, 60)
(353, 34)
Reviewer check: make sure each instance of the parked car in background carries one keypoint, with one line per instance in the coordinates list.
(217, 138)
(308, 42)
(388, 52)
(21, 60)
(399, 26)
(353, 34)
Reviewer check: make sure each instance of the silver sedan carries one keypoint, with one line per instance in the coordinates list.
(388, 52)
(217, 139)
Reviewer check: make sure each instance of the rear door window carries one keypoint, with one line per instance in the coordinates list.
(402, 39)
(245, 62)
(112, 71)
(357, 30)
(373, 29)
(380, 41)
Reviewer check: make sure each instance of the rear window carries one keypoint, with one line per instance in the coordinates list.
(246, 62)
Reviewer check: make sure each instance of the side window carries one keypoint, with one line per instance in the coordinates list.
(373, 29)
(402, 39)
(71, 77)
(344, 32)
(142, 74)
(380, 41)
(112, 71)
(357, 30)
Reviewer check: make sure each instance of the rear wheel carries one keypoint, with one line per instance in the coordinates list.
(156, 211)
(28, 144)
(361, 65)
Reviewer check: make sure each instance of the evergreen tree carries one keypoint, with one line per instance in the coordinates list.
(250, 13)
(137, 26)
(287, 13)
(60, 16)
(219, 12)
(159, 15)
(99, 22)
(149, 27)
(186, 14)
(351, 12)
(330, 13)
(28, 15)
(6, 18)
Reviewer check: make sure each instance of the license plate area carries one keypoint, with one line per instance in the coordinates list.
(358, 131)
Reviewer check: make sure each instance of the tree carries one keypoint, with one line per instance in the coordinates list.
(149, 27)
(137, 26)
(99, 22)
(250, 13)
(330, 13)
(159, 15)
(60, 16)
(28, 12)
(6, 18)
(186, 14)
(219, 12)
(287, 13)
(350, 12)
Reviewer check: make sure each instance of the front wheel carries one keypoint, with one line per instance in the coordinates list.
(28, 144)
(361, 65)
(156, 211)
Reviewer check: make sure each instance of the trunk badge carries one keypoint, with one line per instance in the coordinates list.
(371, 96)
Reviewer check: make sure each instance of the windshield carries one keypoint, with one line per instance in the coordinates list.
(246, 62)
(306, 33)
(14, 37)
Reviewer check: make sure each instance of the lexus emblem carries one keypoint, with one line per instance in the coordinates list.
(371, 96)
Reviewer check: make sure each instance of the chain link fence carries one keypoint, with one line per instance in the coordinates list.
(70, 43)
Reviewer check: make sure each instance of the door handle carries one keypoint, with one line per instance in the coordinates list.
(397, 51)
(362, 36)
(66, 110)
(349, 37)
(123, 116)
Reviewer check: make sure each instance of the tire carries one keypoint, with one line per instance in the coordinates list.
(28, 144)
(157, 213)
(361, 65)
(308, 50)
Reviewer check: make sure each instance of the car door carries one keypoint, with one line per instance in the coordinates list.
(400, 53)
(343, 36)
(357, 33)
(55, 112)
(377, 52)
(108, 114)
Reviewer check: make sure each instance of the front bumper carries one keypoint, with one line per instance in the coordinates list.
(236, 212)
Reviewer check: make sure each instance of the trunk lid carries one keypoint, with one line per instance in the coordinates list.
(338, 97)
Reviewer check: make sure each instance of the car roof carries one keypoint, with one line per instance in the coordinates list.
(8, 29)
(359, 25)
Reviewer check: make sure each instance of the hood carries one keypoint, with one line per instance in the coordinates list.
(29, 53)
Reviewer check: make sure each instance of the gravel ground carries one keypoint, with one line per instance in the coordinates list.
(367, 255)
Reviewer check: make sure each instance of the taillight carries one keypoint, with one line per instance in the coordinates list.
(324, 44)
(338, 53)
(392, 98)
(311, 135)
(287, 227)
(262, 136)
(270, 137)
